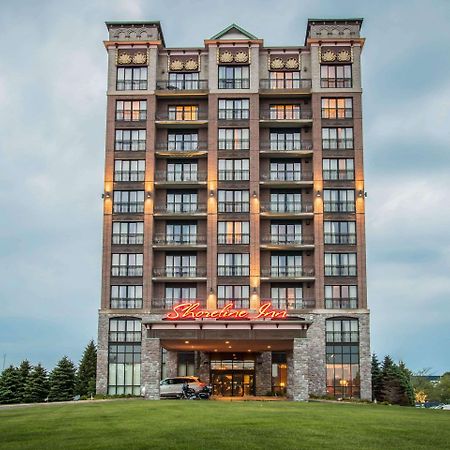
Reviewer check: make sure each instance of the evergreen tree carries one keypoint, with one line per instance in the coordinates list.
(377, 379)
(62, 381)
(86, 374)
(396, 383)
(24, 372)
(10, 386)
(443, 388)
(37, 387)
(405, 377)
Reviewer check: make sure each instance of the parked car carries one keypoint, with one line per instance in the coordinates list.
(172, 387)
(446, 407)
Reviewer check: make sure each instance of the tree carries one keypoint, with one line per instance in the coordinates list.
(377, 378)
(424, 389)
(23, 372)
(10, 386)
(396, 383)
(87, 370)
(62, 381)
(406, 384)
(37, 387)
(443, 388)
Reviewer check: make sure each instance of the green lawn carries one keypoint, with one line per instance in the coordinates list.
(177, 424)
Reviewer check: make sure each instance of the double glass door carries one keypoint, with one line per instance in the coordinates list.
(233, 383)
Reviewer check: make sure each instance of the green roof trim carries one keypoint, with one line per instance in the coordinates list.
(230, 27)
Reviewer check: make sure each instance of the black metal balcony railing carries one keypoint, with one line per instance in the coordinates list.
(233, 114)
(285, 114)
(181, 85)
(234, 83)
(332, 238)
(180, 176)
(287, 175)
(169, 303)
(126, 271)
(236, 144)
(128, 207)
(127, 239)
(344, 175)
(340, 271)
(234, 175)
(128, 115)
(182, 146)
(335, 82)
(337, 144)
(285, 84)
(291, 303)
(179, 239)
(288, 239)
(181, 208)
(288, 272)
(291, 145)
(337, 113)
(135, 145)
(239, 303)
(181, 116)
(341, 303)
(233, 207)
(287, 207)
(131, 85)
(233, 271)
(180, 272)
(339, 206)
(129, 176)
(233, 239)
(126, 303)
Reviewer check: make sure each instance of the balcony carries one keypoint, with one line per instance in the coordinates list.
(288, 273)
(287, 209)
(126, 271)
(180, 273)
(182, 87)
(128, 207)
(181, 209)
(179, 240)
(338, 175)
(182, 149)
(236, 145)
(338, 206)
(341, 239)
(233, 271)
(132, 176)
(277, 85)
(165, 304)
(287, 240)
(337, 144)
(293, 146)
(233, 115)
(234, 175)
(127, 239)
(291, 303)
(175, 119)
(285, 117)
(341, 303)
(286, 178)
(177, 178)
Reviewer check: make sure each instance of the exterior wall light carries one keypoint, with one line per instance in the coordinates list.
(360, 193)
(149, 194)
(255, 290)
(211, 291)
(211, 193)
(254, 194)
(106, 195)
(318, 194)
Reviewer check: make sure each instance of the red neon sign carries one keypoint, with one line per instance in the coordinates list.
(193, 311)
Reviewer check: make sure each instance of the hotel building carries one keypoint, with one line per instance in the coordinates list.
(234, 186)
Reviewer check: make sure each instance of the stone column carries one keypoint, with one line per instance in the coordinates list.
(102, 354)
(203, 367)
(263, 373)
(172, 364)
(365, 358)
(151, 367)
(297, 361)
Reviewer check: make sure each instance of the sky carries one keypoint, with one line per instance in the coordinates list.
(52, 127)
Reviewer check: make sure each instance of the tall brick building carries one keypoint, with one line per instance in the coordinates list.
(234, 187)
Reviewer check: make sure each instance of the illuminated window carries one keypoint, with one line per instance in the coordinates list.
(279, 373)
(129, 170)
(126, 296)
(233, 232)
(338, 169)
(183, 112)
(335, 76)
(130, 140)
(341, 296)
(234, 139)
(284, 80)
(285, 112)
(238, 295)
(337, 138)
(128, 233)
(131, 110)
(340, 264)
(127, 264)
(234, 109)
(131, 78)
(337, 108)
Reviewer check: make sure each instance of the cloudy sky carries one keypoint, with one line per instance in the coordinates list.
(52, 115)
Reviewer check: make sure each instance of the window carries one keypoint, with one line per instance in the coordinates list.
(233, 232)
(127, 264)
(285, 140)
(284, 80)
(179, 294)
(340, 264)
(279, 373)
(181, 201)
(337, 108)
(126, 297)
(234, 77)
(128, 233)
(186, 364)
(182, 171)
(128, 202)
(234, 169)
(286, 233)
(129, 170)
(238, 295)
(286, 265)
(233, 201)
(131, 110)
(179, 80)
(130, 140)
(339, 232)
(234, 109)
(287, 170)
(181, 233)
(124, 357)
(233, 264)
(334, 76)
(181, 265)
(131, 78)
(284, 202)
(337, 138)
(342, 357)
(339, 200)
(183, 112)
(341, 296)
(234, 138)
(284, 112)
(287, 297)
(338, 169)
(182, 141)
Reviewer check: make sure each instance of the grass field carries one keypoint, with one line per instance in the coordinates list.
(139, 424)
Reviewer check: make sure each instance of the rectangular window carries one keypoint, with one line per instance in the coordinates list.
(284, 80)
(126, 297)
(185, 364)
(181, 201)
(128, 202)
(234, 169)
(337, 108)
(337, 138)
(184, 81)
(183, 112)
(233, 232)
(129, 170)
(128, 233)
(181, 265)
(181, 233)
(285, 140)
(284, 112)
(233, 264)
(233, 201)
(335, 76)
(234, 109)
(131, 78)
(340, 264)
(131, 110)
(341, 296)
(285, 170)
(186, 141)
(130, 140)
(234, 77)
(339, 200)
(286, 265)
(182, 171)
(237, 295)
(234, 138)
(287, 297)
(342, 330)
(339, 232)
(285, 202)
(286, 233)
(127, 264)
(338, 169)
(179, 293)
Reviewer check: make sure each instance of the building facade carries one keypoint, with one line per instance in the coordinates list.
(233, 237)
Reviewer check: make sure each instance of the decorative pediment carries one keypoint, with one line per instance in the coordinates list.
(233, 55)
(183, 63)
(132, 57)
(283, 61)
(336, 54)
(233, 32)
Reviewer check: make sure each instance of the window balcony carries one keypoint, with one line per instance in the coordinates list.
(233, 145)
(233, 207)
(341, 303)
(233, 114)
(337, 144)
(291, 303)
(164, 304)
(287, 240)
(240, 303)
(287, 208)
(285, 84)
(181, 209)
(126, 271)
(340, 271)
(342, 239)
(183, 177)
(286, 177)
(285, 115)
(179, 240)
(234, 175)
(183, 116)
(182, 85)
(233, 271)
(234, 83)
(287, 272)
(183, 272)
(233, 239)
(339, 206)
(292, 145)
(338, 175)
(180, 149)
(128, 207)
(127, 239)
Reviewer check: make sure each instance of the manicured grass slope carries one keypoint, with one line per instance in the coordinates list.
(138, 424)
